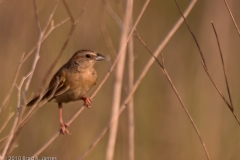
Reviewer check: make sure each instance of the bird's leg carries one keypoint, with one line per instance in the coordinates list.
(62, 124)
(87, 101)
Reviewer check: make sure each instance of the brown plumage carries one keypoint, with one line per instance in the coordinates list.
(76, 78)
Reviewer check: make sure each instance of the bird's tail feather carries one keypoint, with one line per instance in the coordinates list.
(34, 100)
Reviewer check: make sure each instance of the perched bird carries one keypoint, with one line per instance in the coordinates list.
(74, 79)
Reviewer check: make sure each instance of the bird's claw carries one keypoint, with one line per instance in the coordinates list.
(87, 101)
(64, 128)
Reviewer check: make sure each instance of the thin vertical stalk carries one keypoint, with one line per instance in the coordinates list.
(118, 81)
(131, 126)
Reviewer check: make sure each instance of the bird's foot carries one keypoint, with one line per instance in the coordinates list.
(64, 128)
(87, 101)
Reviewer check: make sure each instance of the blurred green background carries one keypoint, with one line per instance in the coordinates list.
(162, 129)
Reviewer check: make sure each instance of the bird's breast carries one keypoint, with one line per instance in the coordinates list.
(80, 83)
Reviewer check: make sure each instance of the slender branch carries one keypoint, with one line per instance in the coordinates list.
(177, 94)
(29, 78)
(50, 17)
(53, 26)
(6, 99)
(194, 37)
(44, 38)
(131, 125)
(118, 81)
(16, 119)
(205, 66)
(107, 38)
(36, 15)
(6, 122)
(68, 11)
(234, 22)
(224, 71)
(138, 18)
(113, 14)
(11, 134)
(143, 73)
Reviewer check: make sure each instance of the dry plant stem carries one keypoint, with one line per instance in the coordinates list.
(16, 119)
(41, 33)
(118, 81)
(107, 38)
(19, 127)
(68, 11)
(36, 15)
(235, 24)
(113, 14)
(6, 99)
(19, 88)
(205, 67)
(44, 29)
(53, 26)
(29, 114)
(29, 78)
(177, 94)
(97, 89)
(223, 65)
(145, 70)
(120, 8)
(37, 53)
(203, 59)
(225, 76)
(138, 19)
(11, 134)
(131, 125)
(225, 100)
(6, 122)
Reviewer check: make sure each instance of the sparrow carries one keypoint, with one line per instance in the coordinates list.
(72, 82)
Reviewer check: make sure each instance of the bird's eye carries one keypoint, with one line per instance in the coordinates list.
(88, 55)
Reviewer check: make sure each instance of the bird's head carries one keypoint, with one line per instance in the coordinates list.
(86, 58)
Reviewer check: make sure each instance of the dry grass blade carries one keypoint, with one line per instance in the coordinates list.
(235, 24)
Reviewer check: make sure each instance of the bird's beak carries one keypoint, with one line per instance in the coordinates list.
(99, 57)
